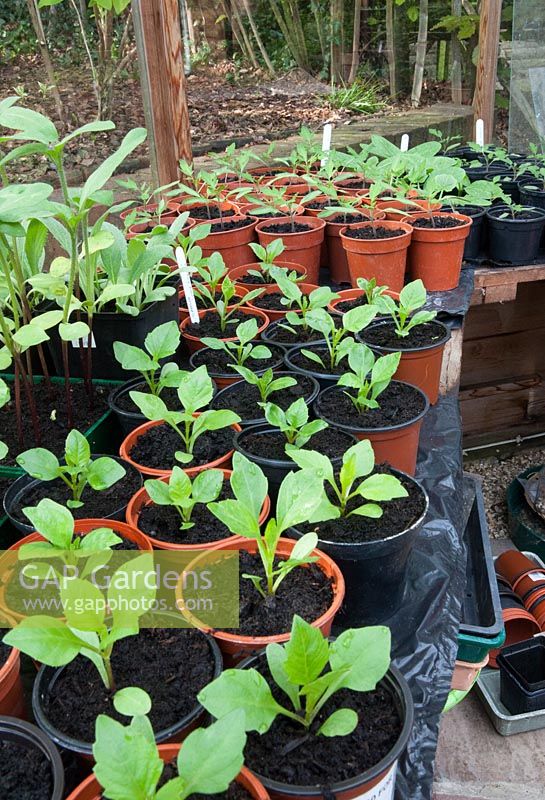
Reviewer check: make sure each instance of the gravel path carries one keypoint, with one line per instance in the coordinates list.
(497, 472)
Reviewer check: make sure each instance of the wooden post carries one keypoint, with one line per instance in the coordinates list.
(485, 87)
(160, 54)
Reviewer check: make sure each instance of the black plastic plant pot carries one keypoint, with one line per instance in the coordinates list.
(46, 678)
(30, 737)
(227, 378)
(522, 676)
(244, 423)
(375, 783)
(22, 486)
(129, 420)
(268, 335)
(514, 241)
(475, 242)
(375, 572)
(109, 328)
(324, 379)
(531, 195)
(509, 186)
(275, 469)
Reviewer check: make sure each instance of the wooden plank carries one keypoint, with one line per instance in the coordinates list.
(493, 285)
(500, 358)
(494, 319)
(487, 65)
(503, 411)
(452, 362)
(160, 54)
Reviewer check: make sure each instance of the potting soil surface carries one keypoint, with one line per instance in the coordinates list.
(218, 362)
(25, 772)
(287, 227)
(156, 448)
(210, 325)
(221, 227)
(399, 403)
(51, 408)
(331, 442)
(206, 213)
(302, 361)
(374, 232)
(244, 399)
(385, 335)
(437, 222)
(314, 760)
(172, 665)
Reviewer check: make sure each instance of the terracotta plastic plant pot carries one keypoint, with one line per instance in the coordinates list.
(143, 227)
(227, 379)
(382, 259)
(142, 498)
(273, 315)
(194, 343)
(236, 646)
(512, 565)
(465, 674)
(149, 472)
(90, 788)
(419, 366)
(290, 186)
(239, 272)
(176, 732)
(234, 245)
(29, 737)
(352, 294)
(396, 445)
(527, 585)
(376, 783)
(435, 254)
(519, 626)
(12, 702)
(150, 208)
(303, 248)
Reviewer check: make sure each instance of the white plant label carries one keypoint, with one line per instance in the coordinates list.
(384, 789)
(479, 132)
(535, 576)
(326, 141)
(85, 339)
(188, 286)
(404, 146)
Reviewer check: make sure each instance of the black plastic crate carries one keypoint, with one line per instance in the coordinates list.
(522, 670)
(481, 612)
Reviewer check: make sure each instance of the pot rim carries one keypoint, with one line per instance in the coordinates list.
(275, 462)
(303, 220)
(380, 348)
(415, 525)
(539, 215)
(86, 748)
(221, 375)
(301, 370)
(25, 482)
(465, 221)
(280, 373)
(389, 224)
(260, 642)
(400, 688)
(234, 218)
(249, 311)
(398, 426)
(32, 734)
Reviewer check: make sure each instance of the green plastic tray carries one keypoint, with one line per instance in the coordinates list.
(104, 435)
(475, 648)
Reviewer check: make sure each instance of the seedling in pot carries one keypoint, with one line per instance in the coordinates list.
(293, 422)
(370, 289)
(86, 629)
(223, 304)
(235, 162)
(369, 376)
(343, 205)
(446, 141)
(56, 524)
(274, 198)
(477, 193)
(184, 494)
(241, 350)
(354, 482)
(159, 344)
(337, 336)
(405, 313)
(211, 272)
(309, 671)
(438, 187)
(210, 193)
(299, 497)
(128, 765)
(512, 210)
(294, 297)
(266, 257)
(195, 391)
(78, 471)
(144, 195)
(266, 384)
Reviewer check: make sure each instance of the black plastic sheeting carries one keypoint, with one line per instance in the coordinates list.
(424, 630)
